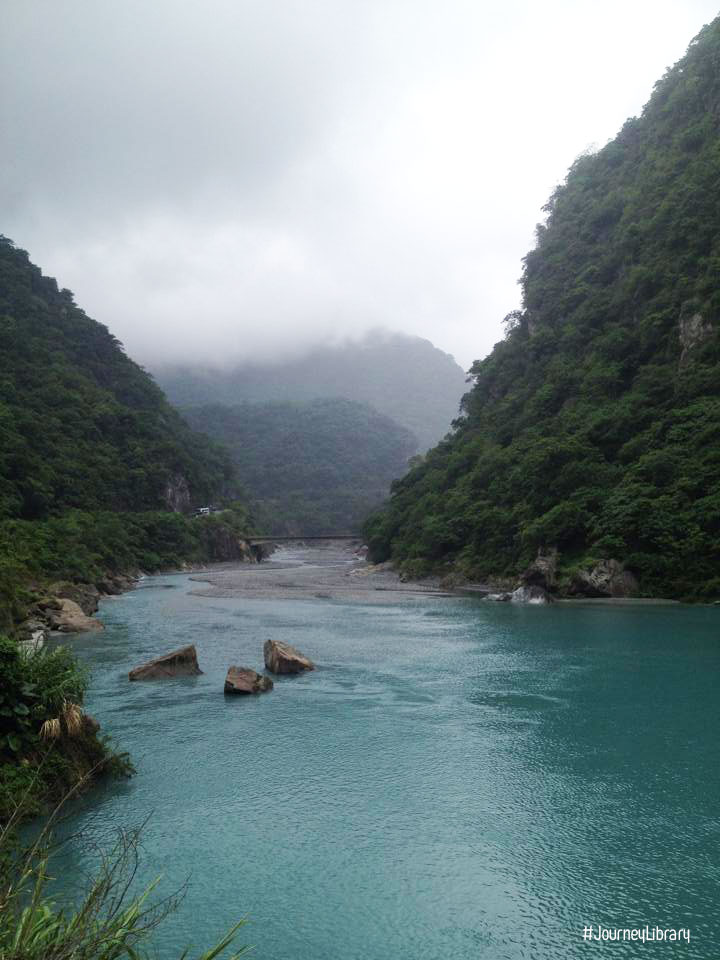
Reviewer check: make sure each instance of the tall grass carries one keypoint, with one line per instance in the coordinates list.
(111, 922)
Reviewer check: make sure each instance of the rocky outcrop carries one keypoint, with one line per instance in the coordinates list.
(242, 680)
(282, 658)
(542, 572)
(66, 616)
(530, 594)
(177, 494)
(114, 584)
(694, 330)
(607, 578)
(85, 595)
(177, 663)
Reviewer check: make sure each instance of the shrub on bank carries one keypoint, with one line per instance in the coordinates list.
(48, 745)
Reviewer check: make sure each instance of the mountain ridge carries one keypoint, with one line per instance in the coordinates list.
(405, 378)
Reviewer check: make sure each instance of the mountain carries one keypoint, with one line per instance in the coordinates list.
(594, 427)
(81, 424)
(96, 467)
(309, 468)
(405, 378)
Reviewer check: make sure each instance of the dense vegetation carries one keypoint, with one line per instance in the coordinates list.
(47, 744)
(594, 427)
(311, 468)
(81, 425)
(405, 378)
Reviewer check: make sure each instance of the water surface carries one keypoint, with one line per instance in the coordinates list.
(457, 779)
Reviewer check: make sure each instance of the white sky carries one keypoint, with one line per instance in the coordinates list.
(226, 180)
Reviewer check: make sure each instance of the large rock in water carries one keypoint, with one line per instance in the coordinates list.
(530, 594)
(282, 658)
(178, 663)
(244, 680)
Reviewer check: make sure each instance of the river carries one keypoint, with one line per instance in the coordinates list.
(457, 780)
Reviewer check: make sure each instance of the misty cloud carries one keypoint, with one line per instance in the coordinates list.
(229, 179)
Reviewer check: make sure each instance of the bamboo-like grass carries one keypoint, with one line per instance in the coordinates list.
(111, 922)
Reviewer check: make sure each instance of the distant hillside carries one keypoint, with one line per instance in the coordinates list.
(594, 428)
(405, 378)
(310, 468)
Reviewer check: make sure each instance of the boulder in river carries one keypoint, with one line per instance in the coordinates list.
(243, 680)
(177, 663)
(282, 658)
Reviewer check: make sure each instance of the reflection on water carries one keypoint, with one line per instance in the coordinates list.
(455, 780)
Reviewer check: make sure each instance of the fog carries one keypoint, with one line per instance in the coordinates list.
(226, 180)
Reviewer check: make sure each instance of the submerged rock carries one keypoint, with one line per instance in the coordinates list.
(607, 578)
(530, 594)
(177, 663)
(243, 680)
(282, 658)
(499, 597)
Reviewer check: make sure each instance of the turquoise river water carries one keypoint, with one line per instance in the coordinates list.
(457, 779)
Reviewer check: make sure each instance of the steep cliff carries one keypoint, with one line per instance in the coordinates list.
(594, 427)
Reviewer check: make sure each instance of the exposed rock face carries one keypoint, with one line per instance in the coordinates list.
(282, 658)
(66, 616)
(531, 594)
(178, 663)
(694, 330)
(223, 544)
(114, 584)
(177, 494)
(243, 680)
(606, 579)
(542, 571)
(85, 595)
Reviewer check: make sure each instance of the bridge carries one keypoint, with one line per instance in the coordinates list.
(326, 536)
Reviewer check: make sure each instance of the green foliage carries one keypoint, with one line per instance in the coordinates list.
(81, 425)
(85, 547)
(311, 468)
(587, 428)
(44, 689)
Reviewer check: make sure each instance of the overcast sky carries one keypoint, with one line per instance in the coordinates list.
(222, 179)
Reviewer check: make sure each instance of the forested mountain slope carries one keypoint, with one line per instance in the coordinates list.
(310, 468)
(594, 427)
(404, 378)
(81, 425)
(96, 467)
